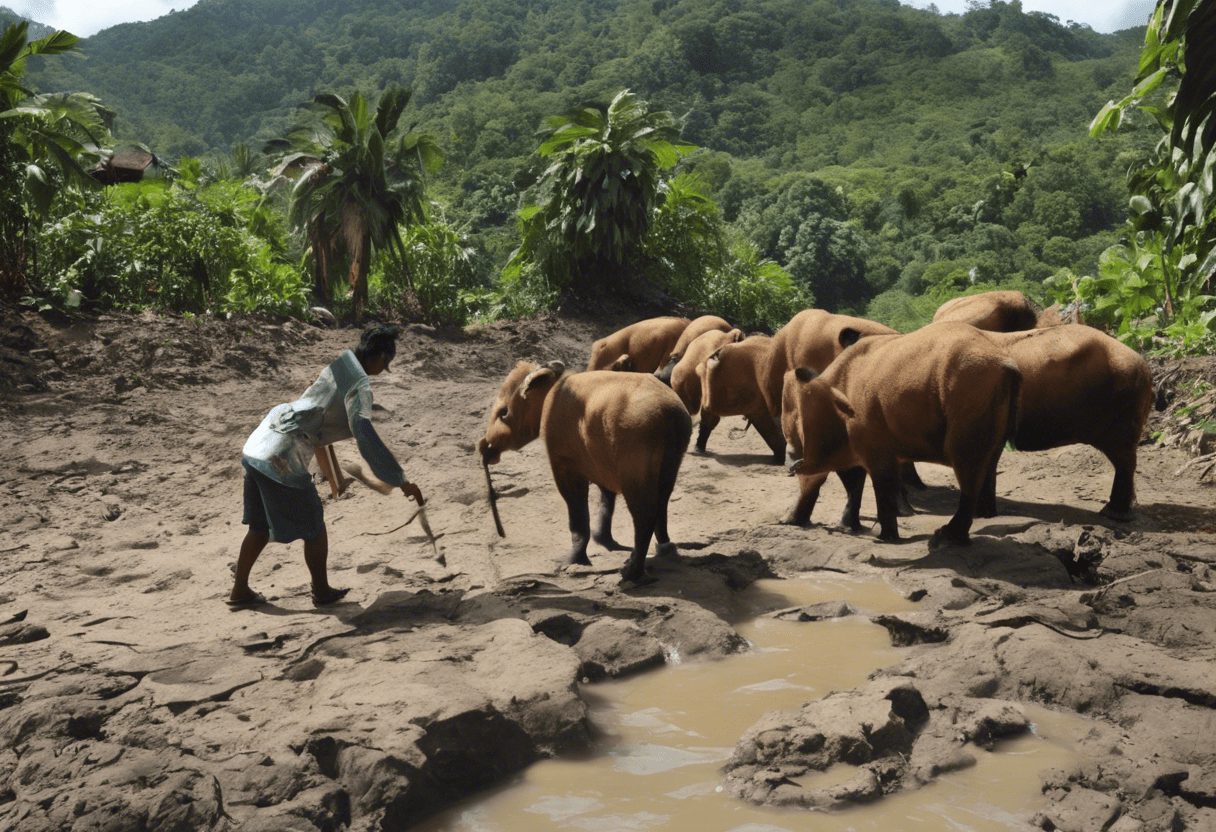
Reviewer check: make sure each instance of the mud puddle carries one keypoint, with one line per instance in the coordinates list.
(665, 735)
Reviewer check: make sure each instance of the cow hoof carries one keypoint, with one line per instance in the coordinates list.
(1115, 514)
(575, 559)
(641, 579)
(666, 550)
(607, 541)
(947, 536)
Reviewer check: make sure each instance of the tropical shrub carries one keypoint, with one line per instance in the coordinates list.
(157, 245)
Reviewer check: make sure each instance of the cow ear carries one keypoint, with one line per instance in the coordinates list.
(849, 336)
(557, 367)
(540, 377)
(624, 364)
(736, 335)
(841, 402)
(805, 374)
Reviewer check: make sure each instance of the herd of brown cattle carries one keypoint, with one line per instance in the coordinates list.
(836, 394)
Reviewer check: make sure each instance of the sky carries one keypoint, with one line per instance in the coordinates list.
(86, 17)
(1100, 15)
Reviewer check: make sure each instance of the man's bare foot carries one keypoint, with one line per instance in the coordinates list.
(329, 595)
(248, 598)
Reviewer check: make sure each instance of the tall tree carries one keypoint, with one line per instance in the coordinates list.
(1172, 254)
(360, 177)
(43, 141)
(595, 202)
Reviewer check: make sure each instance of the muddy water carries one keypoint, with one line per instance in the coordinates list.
(665, 735)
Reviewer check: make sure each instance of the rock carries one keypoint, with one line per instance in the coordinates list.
(184, 686)
(992, 721)
(854, 727)
(22, 633)
(906, 632)
(817, 612)
(610, 648)
(1080, 810)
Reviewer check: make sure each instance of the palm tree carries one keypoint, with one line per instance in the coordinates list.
(596, 201)
(43, 140)
(360, 177)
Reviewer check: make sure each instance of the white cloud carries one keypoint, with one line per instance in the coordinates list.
(1099, 15)
(87, 17)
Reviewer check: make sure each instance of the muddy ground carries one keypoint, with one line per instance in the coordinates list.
(132, 697)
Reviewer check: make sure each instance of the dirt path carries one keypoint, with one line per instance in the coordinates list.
(130, 694)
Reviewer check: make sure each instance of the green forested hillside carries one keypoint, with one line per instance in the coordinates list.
(866, 146)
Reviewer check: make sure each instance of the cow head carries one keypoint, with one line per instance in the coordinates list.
(663, 374)
(814, 418)
(515, 416)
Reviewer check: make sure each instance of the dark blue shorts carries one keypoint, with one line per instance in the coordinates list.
(280, 511)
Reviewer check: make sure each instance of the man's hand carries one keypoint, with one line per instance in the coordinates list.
(413, 492)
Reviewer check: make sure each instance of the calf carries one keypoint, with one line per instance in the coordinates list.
(625, 432)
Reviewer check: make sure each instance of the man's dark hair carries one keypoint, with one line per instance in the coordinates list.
(378, 339)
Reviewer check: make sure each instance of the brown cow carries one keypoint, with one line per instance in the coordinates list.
(943, 394)
(625, 432)
(1079, 387)
(642, 347)
(688, 374)
(745, 379)
(698, 327)
(732, 386)
(1001, 311)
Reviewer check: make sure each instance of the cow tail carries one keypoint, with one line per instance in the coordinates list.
(1015, 401)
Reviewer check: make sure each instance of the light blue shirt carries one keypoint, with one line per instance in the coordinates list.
(337, 406)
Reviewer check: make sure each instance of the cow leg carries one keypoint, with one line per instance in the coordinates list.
(854, 481)
(663, 544)
(1123, 490)
(573, 489)
(603, 521)
(770, 431)
(886, 495)
(709, 421)
(972, 475)
(902, 504)
(985, 506)
(910, 477)
(645, 518)
(808, 493)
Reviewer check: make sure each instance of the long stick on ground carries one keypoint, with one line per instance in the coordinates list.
(493, 501)
(356, 471)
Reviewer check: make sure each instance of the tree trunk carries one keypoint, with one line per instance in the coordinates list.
(360, 264)
(321, 262)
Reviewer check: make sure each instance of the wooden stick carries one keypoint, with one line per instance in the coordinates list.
(326, 463)
(337, 469)
(493, 501)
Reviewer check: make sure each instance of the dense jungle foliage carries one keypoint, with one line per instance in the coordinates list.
(859, 155)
